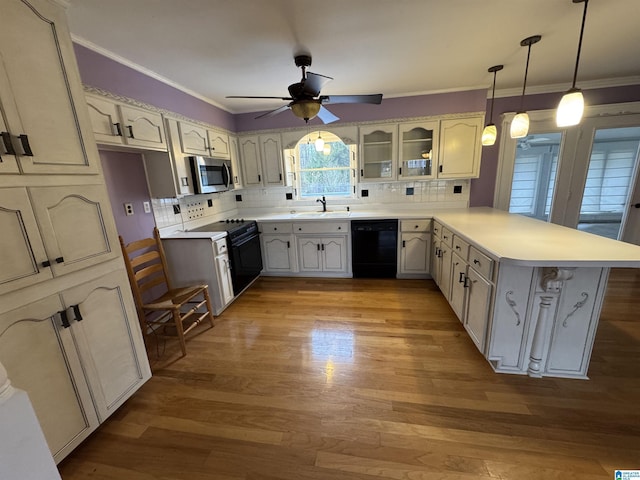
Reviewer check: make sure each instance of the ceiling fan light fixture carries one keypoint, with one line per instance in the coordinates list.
(306, 109)
(490, 132)
(520, 123)
(571, 106)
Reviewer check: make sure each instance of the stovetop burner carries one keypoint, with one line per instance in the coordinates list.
(233, 226)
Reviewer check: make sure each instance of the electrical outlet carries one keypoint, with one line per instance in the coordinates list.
(147, 207)
(128, 209)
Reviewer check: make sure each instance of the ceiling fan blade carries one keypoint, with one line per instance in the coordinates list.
(374, 99)
(313, 83)
(274, 112)
(244, 96)
(326, 116)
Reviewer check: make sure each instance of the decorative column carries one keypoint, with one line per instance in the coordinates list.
(552, 282)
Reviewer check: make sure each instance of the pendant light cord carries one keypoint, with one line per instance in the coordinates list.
(493, 96)
(524, 84)
(584, 18)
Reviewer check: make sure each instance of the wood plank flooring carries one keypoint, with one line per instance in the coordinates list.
(336, 379)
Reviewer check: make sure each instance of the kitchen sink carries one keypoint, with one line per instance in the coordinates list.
(328, 214)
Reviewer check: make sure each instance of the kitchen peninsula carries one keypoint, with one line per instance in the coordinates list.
(529, 293)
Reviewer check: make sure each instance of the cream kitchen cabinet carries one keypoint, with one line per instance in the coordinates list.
(417, 153)
(59, 251)
(53, 231)
(278, 248)
(442, 257)
(45, 127)
(414, 247)
(323, 248)
(169, 173)
(322, 254)
(116, 123)
(234, 156)
(201, 260)
(199, 140)
(261, 159)
(378, 152)
(85, 357)
(459, 147)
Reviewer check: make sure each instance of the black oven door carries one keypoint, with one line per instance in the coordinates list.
(246, 262)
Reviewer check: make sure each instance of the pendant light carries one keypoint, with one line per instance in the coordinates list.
(520, 123)
(319, 143)
(571, 106)
(490, 132)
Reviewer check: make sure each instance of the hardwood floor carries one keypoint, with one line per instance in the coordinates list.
(368, 379)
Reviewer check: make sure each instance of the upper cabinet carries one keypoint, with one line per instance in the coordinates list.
(460, 147)
(378, 152)
(198, 140)
(261, 158)
(43, 117)
(417, 144)
(425, 150)
(116, 123)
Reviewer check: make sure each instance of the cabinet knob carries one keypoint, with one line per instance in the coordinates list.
(417, 226)
(339, 228)
(637, 205)
(275, 228)
(299, 228)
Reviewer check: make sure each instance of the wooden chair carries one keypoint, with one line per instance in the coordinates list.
(159, 305)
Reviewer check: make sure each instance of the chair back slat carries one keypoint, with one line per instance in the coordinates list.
(152, 256)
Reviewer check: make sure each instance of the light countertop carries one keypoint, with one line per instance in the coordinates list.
(520, 240)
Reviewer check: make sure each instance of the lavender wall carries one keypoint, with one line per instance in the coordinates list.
(99, 71)
(482, 188)
(126, 182)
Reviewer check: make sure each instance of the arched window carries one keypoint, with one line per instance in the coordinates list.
(324, 166)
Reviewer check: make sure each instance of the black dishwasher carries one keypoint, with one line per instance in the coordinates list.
(374, 248)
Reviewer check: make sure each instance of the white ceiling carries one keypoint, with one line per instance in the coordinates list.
(214, 48)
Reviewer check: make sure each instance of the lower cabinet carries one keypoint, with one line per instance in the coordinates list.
(328, 254)
(278, 253)
(415, 248)
(78, 354)
(201, 260)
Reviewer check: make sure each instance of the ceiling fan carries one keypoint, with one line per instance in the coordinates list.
(305, 100)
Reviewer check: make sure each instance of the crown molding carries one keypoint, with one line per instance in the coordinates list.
(563, 87)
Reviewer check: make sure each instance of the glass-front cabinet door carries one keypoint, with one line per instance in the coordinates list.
(378, 154)
(418, 142)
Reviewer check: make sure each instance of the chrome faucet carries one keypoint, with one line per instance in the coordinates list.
(323, 201)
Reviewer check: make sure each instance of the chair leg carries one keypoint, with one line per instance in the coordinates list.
(180, 330)
(209, 305)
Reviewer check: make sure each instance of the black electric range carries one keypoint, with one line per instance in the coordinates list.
(243, 243)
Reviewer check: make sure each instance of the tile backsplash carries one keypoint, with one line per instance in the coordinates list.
(195, 210)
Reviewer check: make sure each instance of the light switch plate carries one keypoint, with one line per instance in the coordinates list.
(147, 207)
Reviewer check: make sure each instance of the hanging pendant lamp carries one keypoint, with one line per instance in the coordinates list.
(520, 123)
(571, 106)
(490, 132)
(319, 143)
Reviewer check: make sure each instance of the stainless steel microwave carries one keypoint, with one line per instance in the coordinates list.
(211, 174)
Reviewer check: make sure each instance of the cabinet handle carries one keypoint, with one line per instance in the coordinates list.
(26, 148)
(637, 205)
(76, 312)
(462, 278)
(130, 128)
(361, 172)
(404, 243)
(466, 282)
(288, 244)
(259, 178)
(476, 261)
(318, 245)
(280, 175)
(457, 247)
(235, 179)
(64, 319)
(440, 168)
(8, 145)
(400, 171)
(323, 247)
(118, 129)
(46, 264)
(60, 260)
